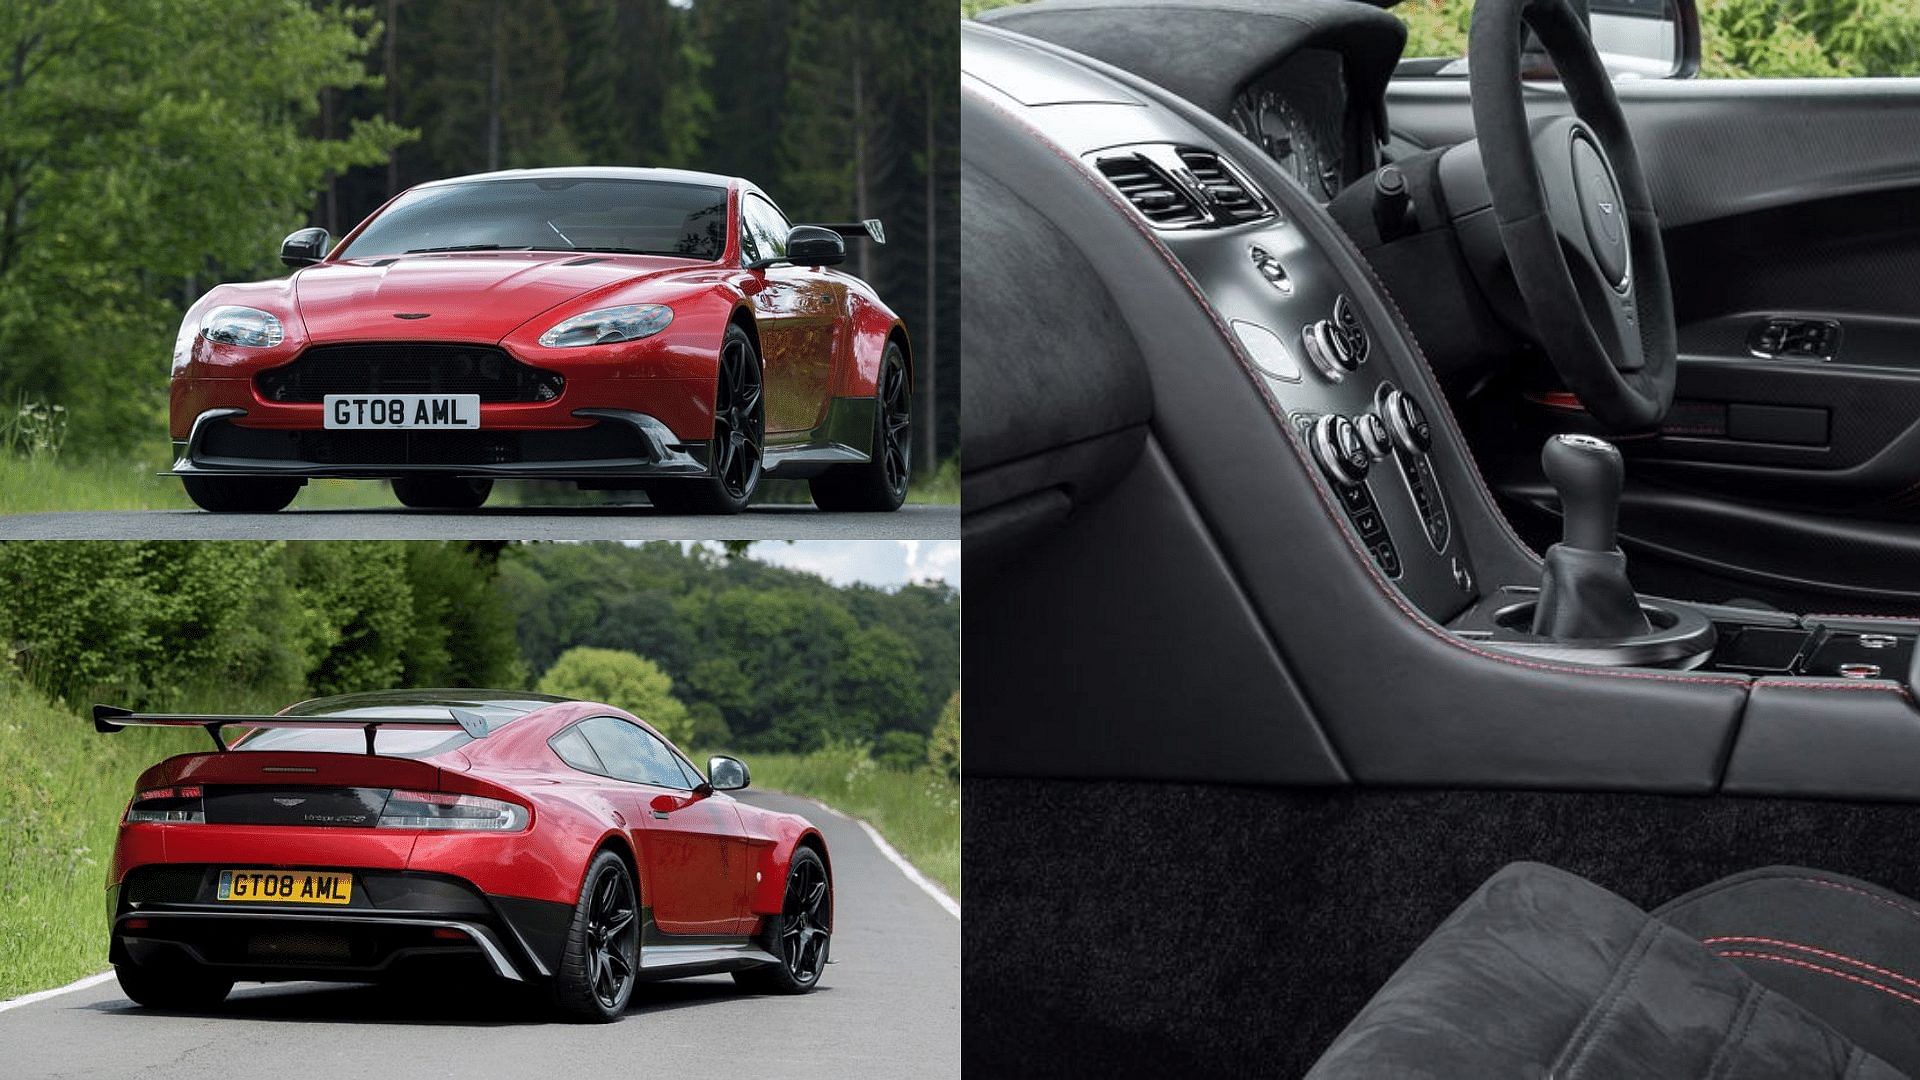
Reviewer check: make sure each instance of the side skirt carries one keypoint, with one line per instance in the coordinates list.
(844, 438)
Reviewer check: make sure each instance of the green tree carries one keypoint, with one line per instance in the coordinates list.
(146, 148)
(943, 746)
(901, 751)
(623, 680)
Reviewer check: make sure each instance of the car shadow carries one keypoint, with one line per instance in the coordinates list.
(418, 1004)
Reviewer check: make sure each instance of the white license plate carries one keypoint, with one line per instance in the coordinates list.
(352, 412)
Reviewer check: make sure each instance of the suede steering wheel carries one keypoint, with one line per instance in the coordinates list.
(1575, 216)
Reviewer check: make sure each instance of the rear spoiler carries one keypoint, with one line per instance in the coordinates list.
(108, 719)
(870, 228)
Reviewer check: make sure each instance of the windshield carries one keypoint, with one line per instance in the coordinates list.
(398, 742)
(648, 217)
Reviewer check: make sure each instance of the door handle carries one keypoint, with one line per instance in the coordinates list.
(661, 814)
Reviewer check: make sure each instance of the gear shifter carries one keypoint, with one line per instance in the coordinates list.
(1584, 591)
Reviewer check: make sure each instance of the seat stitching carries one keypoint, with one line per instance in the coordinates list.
(1750, 995)
(1815, 951)
(1597, 1017)
(1895, 904)
(1739, 954)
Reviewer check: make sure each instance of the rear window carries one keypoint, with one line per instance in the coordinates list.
(397, 742)
(552, 214)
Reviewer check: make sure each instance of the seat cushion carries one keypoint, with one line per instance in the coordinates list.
(1541, 973)
(1845, 950)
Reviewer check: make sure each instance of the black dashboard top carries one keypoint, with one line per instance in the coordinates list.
(1210, 51)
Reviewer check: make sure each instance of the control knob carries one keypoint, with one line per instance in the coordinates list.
(1339, 450)
(1329, 351)
(1407, 421)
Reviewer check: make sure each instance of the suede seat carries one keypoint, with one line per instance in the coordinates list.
(1775, 973)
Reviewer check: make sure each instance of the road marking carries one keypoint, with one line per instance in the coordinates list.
(42, 995)
(913, 873)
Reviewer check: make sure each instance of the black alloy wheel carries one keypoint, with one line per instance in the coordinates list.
(739, 419)
(739, 438)
(803, 933)
(602, 960)
(880, 483)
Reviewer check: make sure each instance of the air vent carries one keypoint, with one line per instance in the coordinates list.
(1150, 190)
(1225, 193)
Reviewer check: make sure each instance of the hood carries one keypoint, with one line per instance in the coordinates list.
(477, 297)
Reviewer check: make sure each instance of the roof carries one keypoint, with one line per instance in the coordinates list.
(593, 172)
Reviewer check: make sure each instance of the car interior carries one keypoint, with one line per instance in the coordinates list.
(1442, 545)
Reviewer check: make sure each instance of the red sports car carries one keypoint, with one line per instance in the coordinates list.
(561, 844)
(618, 328)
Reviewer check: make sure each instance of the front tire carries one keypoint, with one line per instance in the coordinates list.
(601, 962)
(241, 494)
(442, 492)
(739, 438)
(801, 932)
(180, 987)
(878, 484)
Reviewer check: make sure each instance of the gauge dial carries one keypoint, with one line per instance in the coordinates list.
(1293, 140)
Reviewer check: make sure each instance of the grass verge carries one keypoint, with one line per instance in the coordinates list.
(62, 790)
(918, 812)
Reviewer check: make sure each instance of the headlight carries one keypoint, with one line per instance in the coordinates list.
(609, 325)
(245, 326)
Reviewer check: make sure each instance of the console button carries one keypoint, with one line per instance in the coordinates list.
(1407, 421)
(1271, 269)
(1373, 432)
(1319, 341)
(1267, 351)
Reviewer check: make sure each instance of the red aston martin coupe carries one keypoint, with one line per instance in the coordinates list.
(544, 841)
(613, 327)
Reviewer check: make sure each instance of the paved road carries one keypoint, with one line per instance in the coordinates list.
(888, 1006)
(641, 522)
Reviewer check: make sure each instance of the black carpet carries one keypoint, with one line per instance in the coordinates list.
(1129, 929)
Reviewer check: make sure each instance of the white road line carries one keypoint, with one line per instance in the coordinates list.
(42, 995)
(913, 873)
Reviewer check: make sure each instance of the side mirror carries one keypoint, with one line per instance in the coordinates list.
(1654, 39)
(305, 247)
(811, 245)
(726, 774)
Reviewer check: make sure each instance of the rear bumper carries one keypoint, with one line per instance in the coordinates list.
(608, 443)
(167, 913)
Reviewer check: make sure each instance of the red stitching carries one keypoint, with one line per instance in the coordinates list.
(1843, 887)
(1843, 957)
(1735, 954)
(1811, 683)
(1868, 618)
(1326, 504)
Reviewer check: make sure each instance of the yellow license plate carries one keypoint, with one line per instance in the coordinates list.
(285, 887)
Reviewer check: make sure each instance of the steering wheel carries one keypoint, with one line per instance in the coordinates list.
(1575, 216)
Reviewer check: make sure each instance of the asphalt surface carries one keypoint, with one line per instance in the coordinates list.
(639, 522)
(888, 1006)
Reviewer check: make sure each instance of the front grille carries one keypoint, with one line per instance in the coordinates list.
(408, 368)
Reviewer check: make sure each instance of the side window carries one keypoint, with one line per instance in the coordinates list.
(573, 749)
(766, 226)
(632, 754)
(694, 779)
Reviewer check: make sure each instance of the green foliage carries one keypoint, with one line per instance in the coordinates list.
(943, 746)
(786, 660)
(164, 624)
(143, 144)
(918, 812)
(623, 680)
(901, 751)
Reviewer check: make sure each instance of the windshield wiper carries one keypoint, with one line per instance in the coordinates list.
(633, 251)
(468, 247)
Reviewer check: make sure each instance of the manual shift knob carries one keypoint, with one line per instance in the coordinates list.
(1587, 472)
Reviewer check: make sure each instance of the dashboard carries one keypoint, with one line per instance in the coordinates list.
(1297, 112)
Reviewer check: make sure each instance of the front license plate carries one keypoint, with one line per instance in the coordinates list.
(401, 412)
(285, 887)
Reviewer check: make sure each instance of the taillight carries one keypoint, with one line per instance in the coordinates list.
(444, 810)
(180, 805)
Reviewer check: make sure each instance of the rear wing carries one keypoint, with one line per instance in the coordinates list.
(108, 719)
(870, 228)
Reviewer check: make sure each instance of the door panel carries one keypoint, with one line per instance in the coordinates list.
(1793, 248)
(802, 313)
(696, 850)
